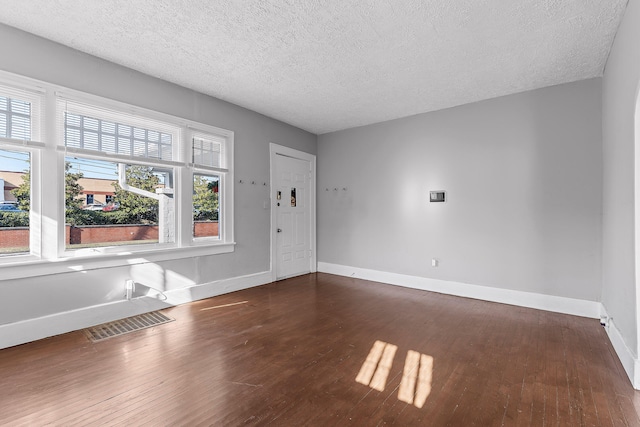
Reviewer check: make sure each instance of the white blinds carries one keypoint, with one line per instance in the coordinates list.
(207, 150)
(106, 131)
(20, 117)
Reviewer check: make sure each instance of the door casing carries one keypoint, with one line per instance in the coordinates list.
(274, 150)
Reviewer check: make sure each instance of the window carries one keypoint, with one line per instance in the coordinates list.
(15, 201)
(116, 175)
(207, 150)
(210, 169)
(19, 131)
(91, 133)
(15, 118)
(145, 204)
(206, 205)
(143, 191)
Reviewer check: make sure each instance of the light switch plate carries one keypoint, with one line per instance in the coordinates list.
(437, 196)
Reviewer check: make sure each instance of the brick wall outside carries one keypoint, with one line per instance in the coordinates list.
(88, 234)
(14, 237)
(206, 229)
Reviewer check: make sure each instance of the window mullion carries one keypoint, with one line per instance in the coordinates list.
(47, 191)
(184, 200)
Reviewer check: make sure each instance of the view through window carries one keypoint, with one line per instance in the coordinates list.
(15, 202)
(105, 176)
(117, 204)
(206, 205)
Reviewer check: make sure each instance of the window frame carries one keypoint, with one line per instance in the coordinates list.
(16, 88)
(225, 186)
(204, 239)
(47, 238)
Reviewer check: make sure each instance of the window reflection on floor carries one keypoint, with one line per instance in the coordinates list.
(375, 369)
(416, 379)
(415, 385)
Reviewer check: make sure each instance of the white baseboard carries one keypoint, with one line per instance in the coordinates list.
(42, 327)
(557, 304)
(629, 361)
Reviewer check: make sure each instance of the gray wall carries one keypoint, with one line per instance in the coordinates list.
(524, 184)
(620, 91)
(38, 58)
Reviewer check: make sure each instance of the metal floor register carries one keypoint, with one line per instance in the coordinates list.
(124, 326)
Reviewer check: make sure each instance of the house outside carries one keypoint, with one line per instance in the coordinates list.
(94, 190)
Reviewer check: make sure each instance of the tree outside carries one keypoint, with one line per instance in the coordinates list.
(132, 208)
(23, 192)
(72, 202)
(205, 198)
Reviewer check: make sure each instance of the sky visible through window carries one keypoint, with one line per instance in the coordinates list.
(94, 168)
(11, 161)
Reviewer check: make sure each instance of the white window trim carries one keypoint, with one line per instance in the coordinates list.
(15, 87)
(225, 194)
(48, 253)
(34, 213)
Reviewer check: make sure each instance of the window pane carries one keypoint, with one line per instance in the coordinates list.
(99, 212)
(15, 202)
(206, 152)
(206, 206)
(15, 118)
(92, 133)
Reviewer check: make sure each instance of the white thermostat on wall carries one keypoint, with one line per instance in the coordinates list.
(437, 196)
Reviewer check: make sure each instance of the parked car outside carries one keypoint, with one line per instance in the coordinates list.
(94, 207)
(7, 207)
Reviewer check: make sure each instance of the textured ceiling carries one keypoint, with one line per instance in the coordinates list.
(335, 64)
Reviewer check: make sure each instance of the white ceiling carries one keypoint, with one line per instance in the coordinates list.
(335, 64)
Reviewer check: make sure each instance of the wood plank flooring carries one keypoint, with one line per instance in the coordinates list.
(289, 353)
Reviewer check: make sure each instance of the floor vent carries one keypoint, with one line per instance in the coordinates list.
(124, 326)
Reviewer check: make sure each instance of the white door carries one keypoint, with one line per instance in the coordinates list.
(293, 207)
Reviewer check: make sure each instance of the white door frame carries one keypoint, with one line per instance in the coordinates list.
(274, 150)
(636, 135)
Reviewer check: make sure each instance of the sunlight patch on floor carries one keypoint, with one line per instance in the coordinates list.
(224, 305)
(415, 385)
(376, 368)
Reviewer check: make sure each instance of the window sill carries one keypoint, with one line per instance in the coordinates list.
(25, 267)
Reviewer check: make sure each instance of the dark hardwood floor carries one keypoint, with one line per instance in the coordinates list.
(325, 350)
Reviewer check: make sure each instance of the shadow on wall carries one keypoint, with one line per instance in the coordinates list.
(153, 280)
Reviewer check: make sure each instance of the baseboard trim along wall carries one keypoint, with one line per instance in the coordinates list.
(576, 307)
(12, 334)
(506, 296)
(628, 359)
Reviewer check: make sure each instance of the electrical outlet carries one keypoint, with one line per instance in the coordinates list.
(434, 262)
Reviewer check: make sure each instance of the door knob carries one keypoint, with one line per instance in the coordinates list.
(279, 230)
